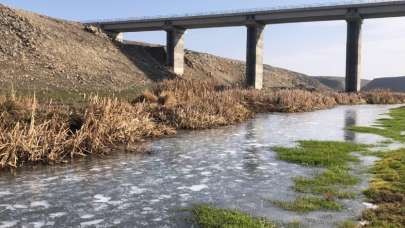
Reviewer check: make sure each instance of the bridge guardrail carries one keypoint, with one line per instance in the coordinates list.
(221, 12)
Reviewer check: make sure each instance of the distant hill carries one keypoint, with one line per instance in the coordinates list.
(337, 83)
(396, 84)
(45, 54)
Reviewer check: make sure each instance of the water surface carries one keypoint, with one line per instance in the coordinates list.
(231, 167)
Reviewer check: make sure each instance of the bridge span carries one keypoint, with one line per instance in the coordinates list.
(354, 12)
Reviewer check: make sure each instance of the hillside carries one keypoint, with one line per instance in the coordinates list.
(396, 84)
(337, 83)
(45, 54)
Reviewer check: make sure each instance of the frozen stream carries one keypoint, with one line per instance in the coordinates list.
(231, 167)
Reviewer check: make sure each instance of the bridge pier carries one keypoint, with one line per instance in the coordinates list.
(116, 36)
(254, 56)
(175, 50)
(353, 52)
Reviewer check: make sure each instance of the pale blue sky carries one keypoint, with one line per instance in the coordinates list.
(311, 48)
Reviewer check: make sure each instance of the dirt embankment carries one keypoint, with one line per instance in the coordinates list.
(42, 53)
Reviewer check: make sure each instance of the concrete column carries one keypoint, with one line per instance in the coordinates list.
(353, 52)
(116, 36)
(175, 50)
(254, 56)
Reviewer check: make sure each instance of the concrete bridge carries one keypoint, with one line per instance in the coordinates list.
(255, 22)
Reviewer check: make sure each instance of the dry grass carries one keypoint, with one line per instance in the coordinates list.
(32, 132)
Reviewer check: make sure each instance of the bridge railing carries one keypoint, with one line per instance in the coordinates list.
(222, 12)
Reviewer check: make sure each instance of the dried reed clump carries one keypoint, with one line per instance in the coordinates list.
(51, 133)
(196, 105)
(54, 134)
(383, 97)
(110, 121)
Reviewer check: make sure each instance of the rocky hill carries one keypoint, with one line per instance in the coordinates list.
(337, 83)
(42, 53)
(396, 84)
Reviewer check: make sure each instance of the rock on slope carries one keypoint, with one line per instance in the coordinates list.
(42, 53)
(396, 84)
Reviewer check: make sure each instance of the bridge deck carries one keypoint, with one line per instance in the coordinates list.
(372, 9)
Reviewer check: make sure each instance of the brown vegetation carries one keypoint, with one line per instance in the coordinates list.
(32, 132)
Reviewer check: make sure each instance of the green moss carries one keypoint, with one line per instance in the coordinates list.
(328, 182)
(293, 224)
(307, 204)
(348, 224)
(320, 153)
(388, 127)
(209, 217)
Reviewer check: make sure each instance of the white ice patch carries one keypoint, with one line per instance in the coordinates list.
(136, 190)
(206, 173)
(204, 180)
(184, 170)
(87, 216)
(38, 224)
(43, 204)
(197, 188)
(20, 206)
(184, 197)
(49, 179)
(101, 199)
(7, 224)
(91, 223)
(57, 215)
(7, 207)
(95, 169)
(370, 206)
(5, 193)
(194, 188)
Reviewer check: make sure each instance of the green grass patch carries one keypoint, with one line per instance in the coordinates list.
(348, 224)
(209, 217)
(328, 182)
(307, 204)
(392, 127)
(321, 153)
(331, 183)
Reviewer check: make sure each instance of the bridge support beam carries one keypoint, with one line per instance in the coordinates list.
(353, 52)
(254, 56)
(116, 36)
(175, 50)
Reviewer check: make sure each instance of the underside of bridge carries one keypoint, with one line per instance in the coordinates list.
(255, 23)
